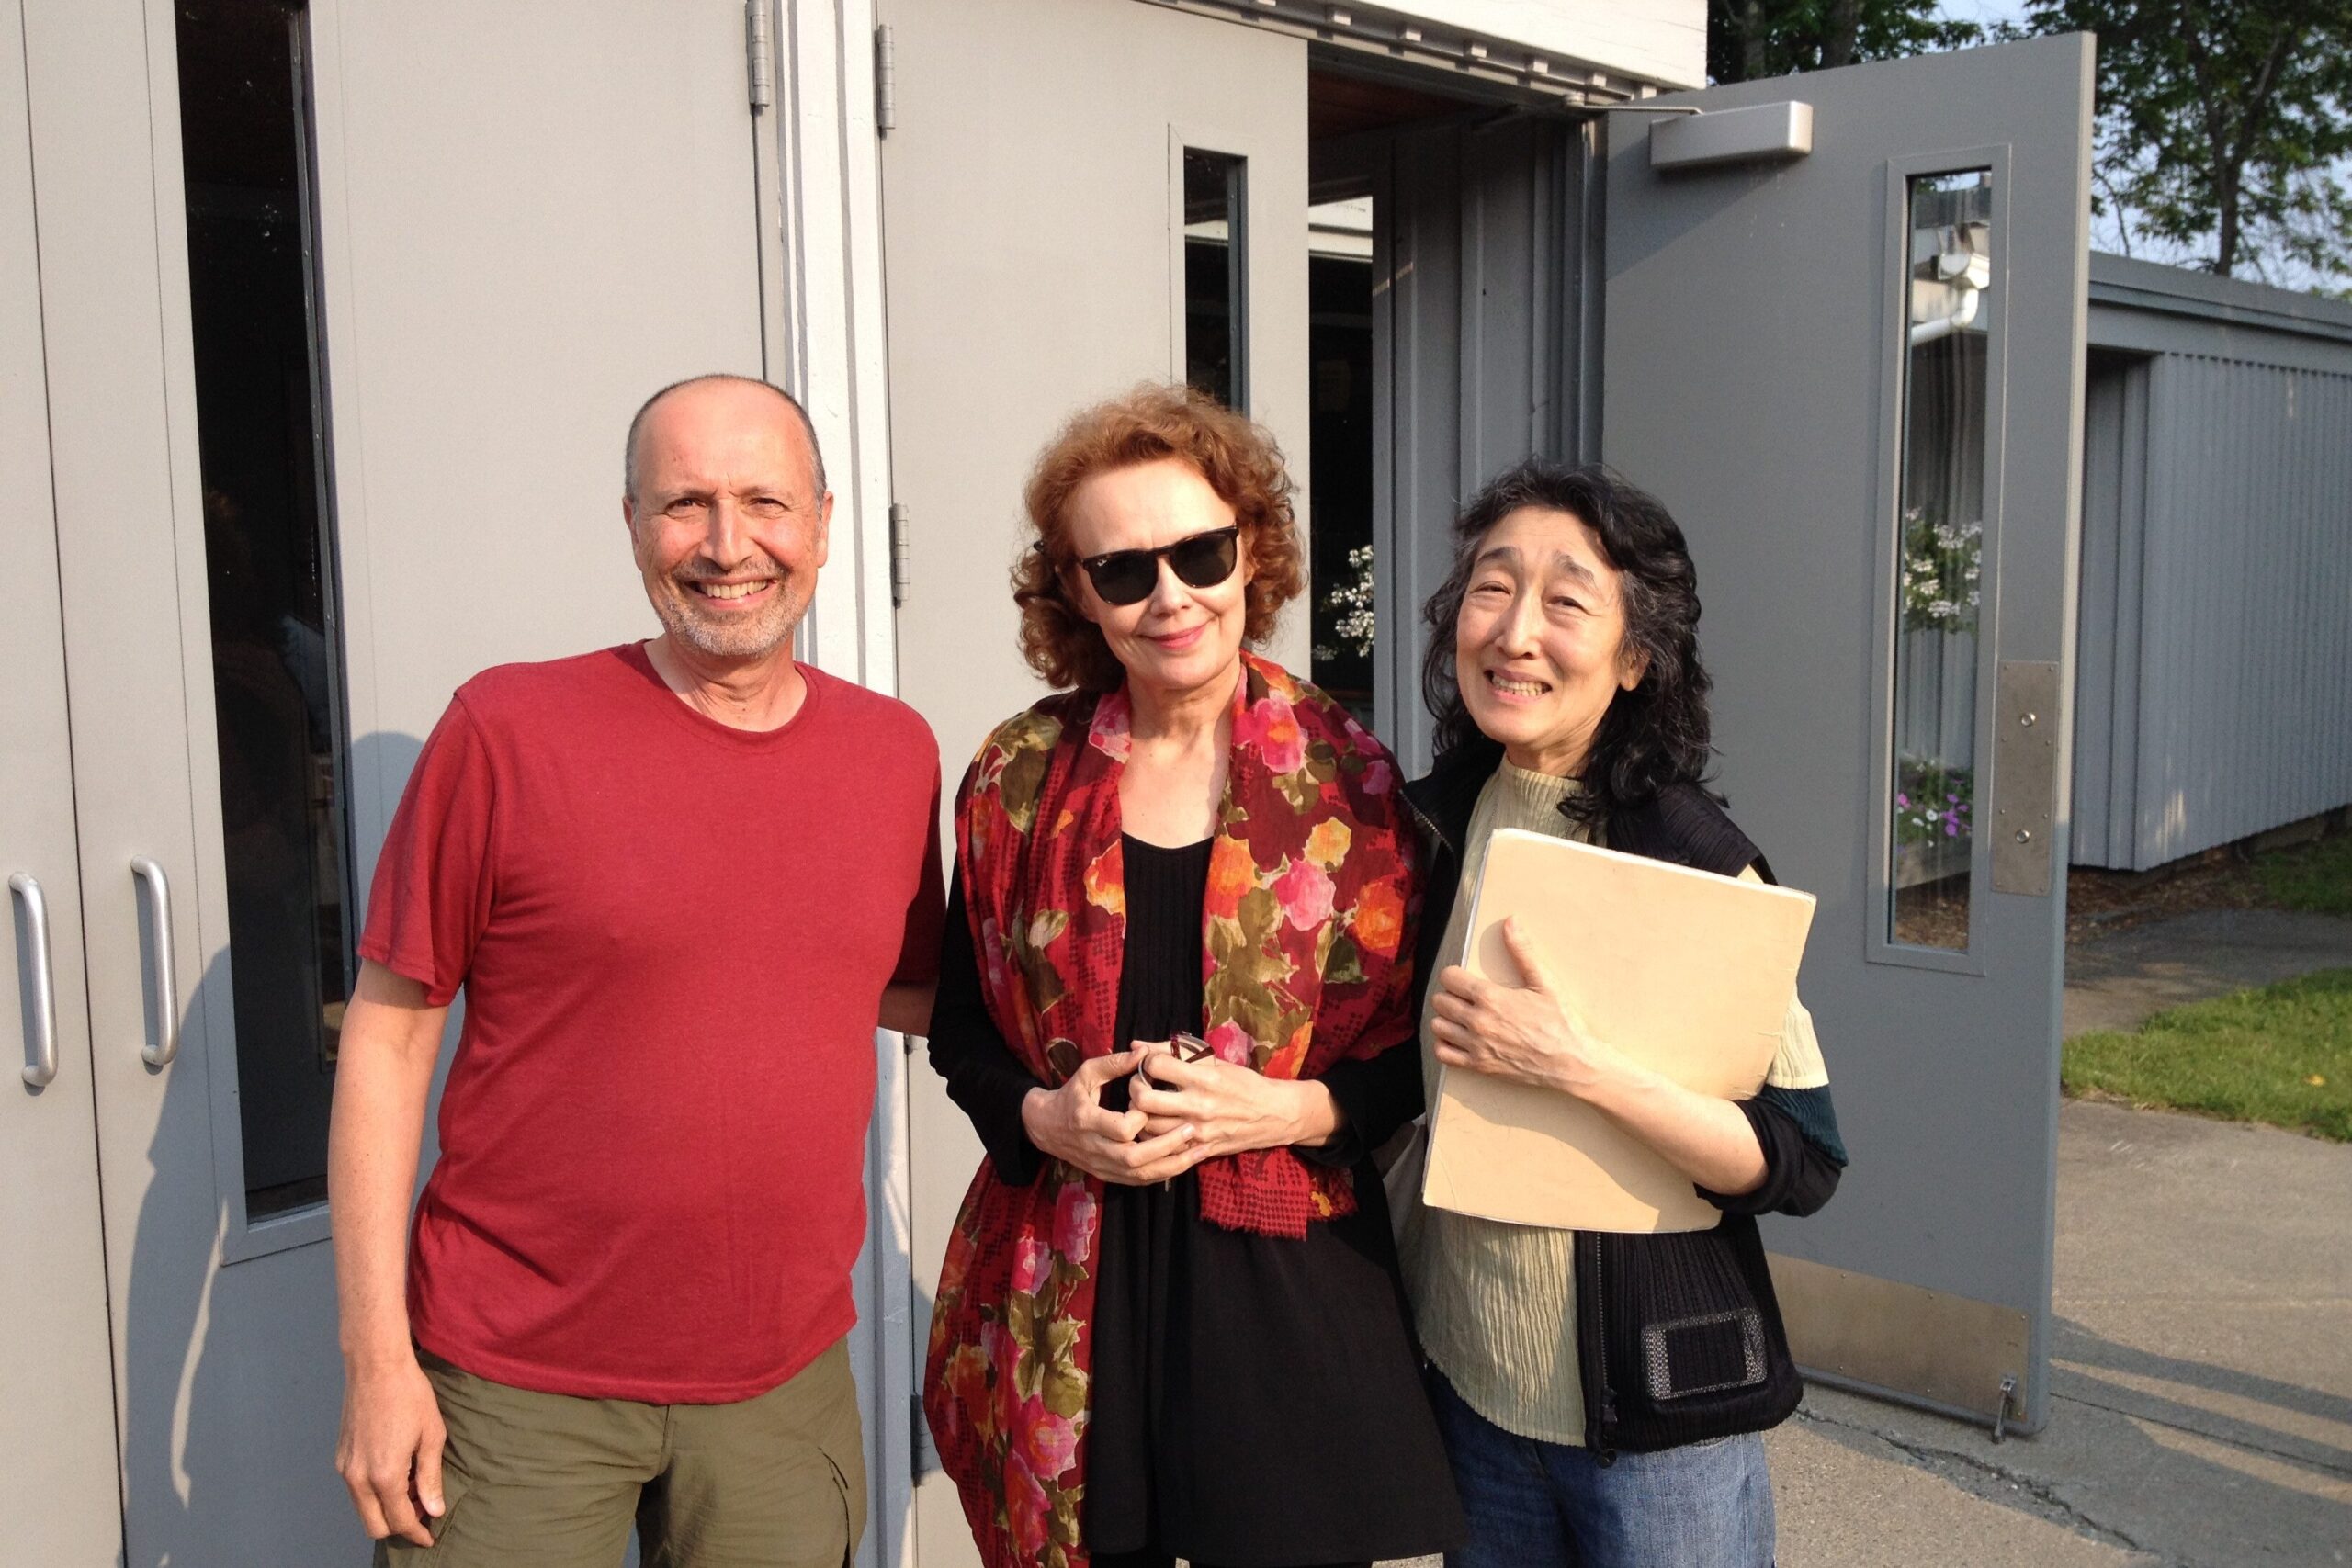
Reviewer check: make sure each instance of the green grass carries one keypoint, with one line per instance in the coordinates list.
(2317, 876)
(2281, 1054)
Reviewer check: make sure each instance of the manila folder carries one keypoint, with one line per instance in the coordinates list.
(1688, 972)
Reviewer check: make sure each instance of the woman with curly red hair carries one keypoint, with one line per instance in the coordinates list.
(1170, 1323)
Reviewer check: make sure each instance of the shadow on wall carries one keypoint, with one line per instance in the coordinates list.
(233, 1380)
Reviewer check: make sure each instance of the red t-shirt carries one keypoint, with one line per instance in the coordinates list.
(674, 938)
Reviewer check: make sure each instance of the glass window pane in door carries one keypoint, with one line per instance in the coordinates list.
(1950, 306)
(270, 555)
(1340, 444)
(1217, 273)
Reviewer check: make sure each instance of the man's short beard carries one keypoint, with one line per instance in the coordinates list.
(730, 638)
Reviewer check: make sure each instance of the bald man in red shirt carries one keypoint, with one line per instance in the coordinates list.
(679, 883)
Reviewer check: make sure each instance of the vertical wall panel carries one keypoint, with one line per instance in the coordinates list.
(2095, 621)
(1475, 237)
(2131, 578)
(1416, 334)
(2216, 628)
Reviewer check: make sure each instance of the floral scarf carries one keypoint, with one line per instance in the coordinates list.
(1305, 961)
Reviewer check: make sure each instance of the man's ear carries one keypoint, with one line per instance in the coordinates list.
(824, 539)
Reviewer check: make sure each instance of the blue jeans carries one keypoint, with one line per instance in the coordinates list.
(1536, 1504)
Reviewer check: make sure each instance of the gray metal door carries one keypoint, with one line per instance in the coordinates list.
(1855, 375)
(225, 1380)
(505, 266)
(59, 1490)
(1035, 226)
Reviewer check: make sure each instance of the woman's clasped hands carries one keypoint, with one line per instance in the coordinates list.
(1071, 1125)
(1228, 1109)
(1180, 1113)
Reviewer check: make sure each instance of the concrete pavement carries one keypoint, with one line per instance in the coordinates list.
(2202, 1409)
(2201, 1376)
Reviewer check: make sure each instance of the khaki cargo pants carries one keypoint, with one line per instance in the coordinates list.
(546, 1481)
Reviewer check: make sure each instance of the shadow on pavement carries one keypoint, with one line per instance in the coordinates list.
(2079, 1354)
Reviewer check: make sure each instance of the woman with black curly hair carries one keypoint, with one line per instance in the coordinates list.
(1601, 1395)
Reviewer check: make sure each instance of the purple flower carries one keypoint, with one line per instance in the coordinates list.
(1952, 797)
(1901, 798)
(1951, 829)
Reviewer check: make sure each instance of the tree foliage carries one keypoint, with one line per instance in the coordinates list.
(1747, 40)
(2223, 128)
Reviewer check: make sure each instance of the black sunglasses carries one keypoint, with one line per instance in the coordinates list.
(1202, 560)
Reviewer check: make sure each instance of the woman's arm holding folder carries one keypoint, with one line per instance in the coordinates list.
(1526, 1033)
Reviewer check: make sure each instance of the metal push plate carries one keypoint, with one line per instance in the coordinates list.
(1932, 1349)
(2025, 776)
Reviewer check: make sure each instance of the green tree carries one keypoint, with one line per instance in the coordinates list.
(2223, 126)
(1747, 40)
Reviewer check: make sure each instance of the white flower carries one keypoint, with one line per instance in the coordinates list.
(1358, 624)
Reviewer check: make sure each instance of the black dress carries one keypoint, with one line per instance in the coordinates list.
(1256, 1400)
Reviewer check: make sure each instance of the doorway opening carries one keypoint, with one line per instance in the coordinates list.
(1346, 112)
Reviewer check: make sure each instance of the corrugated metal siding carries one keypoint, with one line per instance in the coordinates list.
(2214, 670)
(2106, 670)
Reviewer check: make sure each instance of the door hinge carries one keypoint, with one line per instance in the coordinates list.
(901, 566)
(886, 80)
(759, 39)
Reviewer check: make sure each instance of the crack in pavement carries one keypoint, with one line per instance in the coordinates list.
(1941, 1461)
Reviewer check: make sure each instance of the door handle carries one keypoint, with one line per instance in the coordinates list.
(163, 1000)
(40, 996)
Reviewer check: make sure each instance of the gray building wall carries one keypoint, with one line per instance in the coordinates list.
(2213, 695)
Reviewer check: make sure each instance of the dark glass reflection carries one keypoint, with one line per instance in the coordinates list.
(276, 658)
(1340, 475)
(1216, 272)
